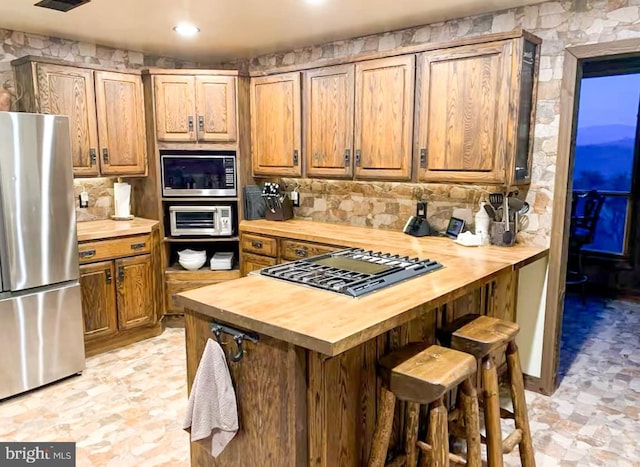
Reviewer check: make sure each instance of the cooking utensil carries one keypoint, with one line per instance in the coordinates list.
(496, 200)
(524, 209)
(507, 236)
(515, 204)
(490, 211)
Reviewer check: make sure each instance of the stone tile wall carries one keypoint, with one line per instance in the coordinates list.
(15, 44)
(559, 24)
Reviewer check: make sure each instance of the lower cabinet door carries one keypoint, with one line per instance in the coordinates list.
(134, 292)
(254, 262)
(98, 299)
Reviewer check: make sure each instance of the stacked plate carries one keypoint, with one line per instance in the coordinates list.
(191, 259)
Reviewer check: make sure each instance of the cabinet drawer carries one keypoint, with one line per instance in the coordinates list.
(174, 287)
(259, 244)
(89, 252)
(292, 250)
(251, 262)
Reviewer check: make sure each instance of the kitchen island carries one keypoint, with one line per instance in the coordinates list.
(307, 389)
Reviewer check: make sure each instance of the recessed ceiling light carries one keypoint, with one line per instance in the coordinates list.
(186, 29)
(315, 2)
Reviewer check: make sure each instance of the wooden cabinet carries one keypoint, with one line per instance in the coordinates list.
(121, 126)
(259, 251)
(276, 125)
(134, 291)
(195, 108)
(328, 106)
(121, 290)
(98, 300)
(179, 280)
(384, 118)
(471, 102)
(105, 110)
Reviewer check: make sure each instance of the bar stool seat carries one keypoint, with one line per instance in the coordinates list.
(418, 375)
(481, 336)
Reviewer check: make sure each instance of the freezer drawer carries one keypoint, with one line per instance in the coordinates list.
(42, 339)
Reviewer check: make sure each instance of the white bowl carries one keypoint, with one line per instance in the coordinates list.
(192, 254)
(192, 264)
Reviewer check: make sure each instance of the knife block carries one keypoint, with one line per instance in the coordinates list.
(282, 212)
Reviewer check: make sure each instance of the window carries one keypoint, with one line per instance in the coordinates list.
(605, 154)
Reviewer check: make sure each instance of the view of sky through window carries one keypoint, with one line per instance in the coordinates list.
(605, 145)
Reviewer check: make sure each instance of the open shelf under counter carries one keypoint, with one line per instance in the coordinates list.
(200, 240)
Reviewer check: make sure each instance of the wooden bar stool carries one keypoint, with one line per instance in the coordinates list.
(480, 336)
(420, 375)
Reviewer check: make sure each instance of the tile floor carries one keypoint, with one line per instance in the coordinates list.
(127, 407)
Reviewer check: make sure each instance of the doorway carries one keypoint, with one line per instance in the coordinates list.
(579, 62)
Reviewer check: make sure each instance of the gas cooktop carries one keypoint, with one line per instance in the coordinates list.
(354, 271)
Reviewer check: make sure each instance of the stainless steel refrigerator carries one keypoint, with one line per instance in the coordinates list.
(41, 331)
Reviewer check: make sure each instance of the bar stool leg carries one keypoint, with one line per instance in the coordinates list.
(520, 405)
(471, 422)
(411, 434)
(384, 424)
(438, 434)
(492, 412)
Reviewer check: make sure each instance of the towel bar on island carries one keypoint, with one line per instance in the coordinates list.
(239, 336)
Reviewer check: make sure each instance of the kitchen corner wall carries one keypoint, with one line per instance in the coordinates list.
(387, 205)
(15, 44)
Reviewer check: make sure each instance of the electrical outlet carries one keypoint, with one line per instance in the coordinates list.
(421, 209)
(295, 199)
(84, 199)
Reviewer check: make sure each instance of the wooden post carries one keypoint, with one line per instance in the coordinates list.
(516, 384)
(471, 422)
(492, 413)
(411, 435)
(438, 434)
(384, 425)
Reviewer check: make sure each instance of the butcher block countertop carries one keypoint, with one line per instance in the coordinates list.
(331, 323)
(107, 228)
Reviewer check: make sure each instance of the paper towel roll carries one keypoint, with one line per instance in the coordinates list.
(122, 199)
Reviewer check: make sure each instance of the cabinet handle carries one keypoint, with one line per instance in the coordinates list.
(105, 155)
(347, 157)
(87, 253)
(301, 252)
(190, 120)
(120, 273)
(137, 246)
(358, 157)
(423, 158)
(107, 273)
(256, 244)
(201, 123)
(295, 157)
(92, 156)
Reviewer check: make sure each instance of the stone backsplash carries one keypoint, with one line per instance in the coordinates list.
(100, 192)
(388, 205)
(559, 24)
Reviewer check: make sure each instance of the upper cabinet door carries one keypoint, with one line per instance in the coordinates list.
(463, 113)
(329, 95)
(384, 118)
(216, 108)
(69, 91)
(275, 125)
(175, 108)
(121, 126)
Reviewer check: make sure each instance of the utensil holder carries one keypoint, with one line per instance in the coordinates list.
(496, 232)
(282, 212)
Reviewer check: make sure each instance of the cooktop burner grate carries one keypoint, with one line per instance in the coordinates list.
(354, 271)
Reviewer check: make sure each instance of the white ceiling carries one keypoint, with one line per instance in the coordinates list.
(233, 28)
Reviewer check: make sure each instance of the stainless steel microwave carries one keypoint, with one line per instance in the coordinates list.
(201, 220)
(198, 175)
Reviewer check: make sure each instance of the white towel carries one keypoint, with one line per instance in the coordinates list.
(212, 413)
